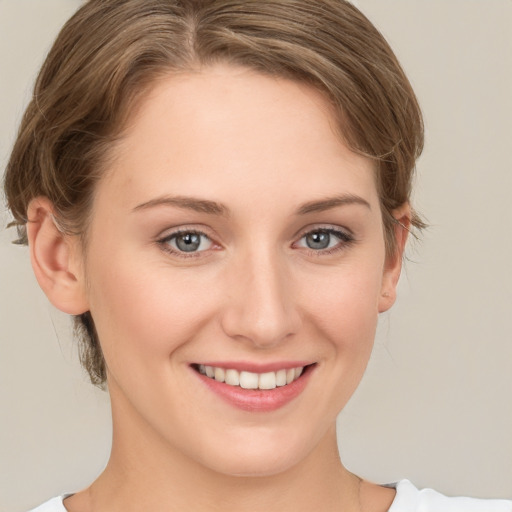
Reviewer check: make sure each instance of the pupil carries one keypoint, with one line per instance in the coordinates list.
(188, 242)
(318, 240)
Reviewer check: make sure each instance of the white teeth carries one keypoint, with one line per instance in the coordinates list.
(267, 380)
(232, 378)
(281, 378)
(220, 374)
(250, 380)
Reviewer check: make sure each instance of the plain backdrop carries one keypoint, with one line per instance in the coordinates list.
(435, 405)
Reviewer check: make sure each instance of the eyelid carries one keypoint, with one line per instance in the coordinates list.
(184, 228)
(332, 228)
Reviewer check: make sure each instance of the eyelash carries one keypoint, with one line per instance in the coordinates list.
(345, 240)
(164, 243)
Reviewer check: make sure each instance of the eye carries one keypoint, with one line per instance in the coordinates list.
(187, 242)
(325, 240)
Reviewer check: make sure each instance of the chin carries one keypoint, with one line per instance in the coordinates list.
(260, 467)
(258, 455)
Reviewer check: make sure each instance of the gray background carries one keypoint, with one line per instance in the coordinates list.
(435, 405)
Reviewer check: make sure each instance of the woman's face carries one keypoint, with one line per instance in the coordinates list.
(235, 234)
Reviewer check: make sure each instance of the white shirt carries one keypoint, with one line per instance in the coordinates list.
(410, 499)
(407, 499)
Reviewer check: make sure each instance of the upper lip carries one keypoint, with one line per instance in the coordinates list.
(253, 367)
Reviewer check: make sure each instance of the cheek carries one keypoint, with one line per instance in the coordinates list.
(143, 316)
(345, 318)
(345, 306)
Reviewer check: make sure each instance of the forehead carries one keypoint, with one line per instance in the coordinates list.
(228, 128)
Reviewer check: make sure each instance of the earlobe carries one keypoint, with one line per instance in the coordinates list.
(53, 257)
(393, 267)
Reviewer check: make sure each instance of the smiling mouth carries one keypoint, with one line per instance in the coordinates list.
(251, 380)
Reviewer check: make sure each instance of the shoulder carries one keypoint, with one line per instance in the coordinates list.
(410, 499)
(53, 505)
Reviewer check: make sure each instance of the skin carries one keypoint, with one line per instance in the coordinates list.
(265, 150)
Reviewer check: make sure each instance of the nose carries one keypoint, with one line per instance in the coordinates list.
(261, 305)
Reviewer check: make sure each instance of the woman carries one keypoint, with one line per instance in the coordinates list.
(219, 193)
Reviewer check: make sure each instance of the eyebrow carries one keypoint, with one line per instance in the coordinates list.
(214, 208)
(187, 203)
(332, 202)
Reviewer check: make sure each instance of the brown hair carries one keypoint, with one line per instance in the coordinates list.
(110, 52)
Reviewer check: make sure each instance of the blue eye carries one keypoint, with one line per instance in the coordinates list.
(325, 239)
(188, 242)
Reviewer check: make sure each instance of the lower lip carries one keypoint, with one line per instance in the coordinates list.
(257, 400)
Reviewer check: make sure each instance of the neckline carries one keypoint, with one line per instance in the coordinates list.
(393, 485)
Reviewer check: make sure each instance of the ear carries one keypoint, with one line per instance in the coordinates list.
(56, 259)
(393, 265)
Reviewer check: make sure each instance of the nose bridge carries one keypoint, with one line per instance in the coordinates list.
(261, 308)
